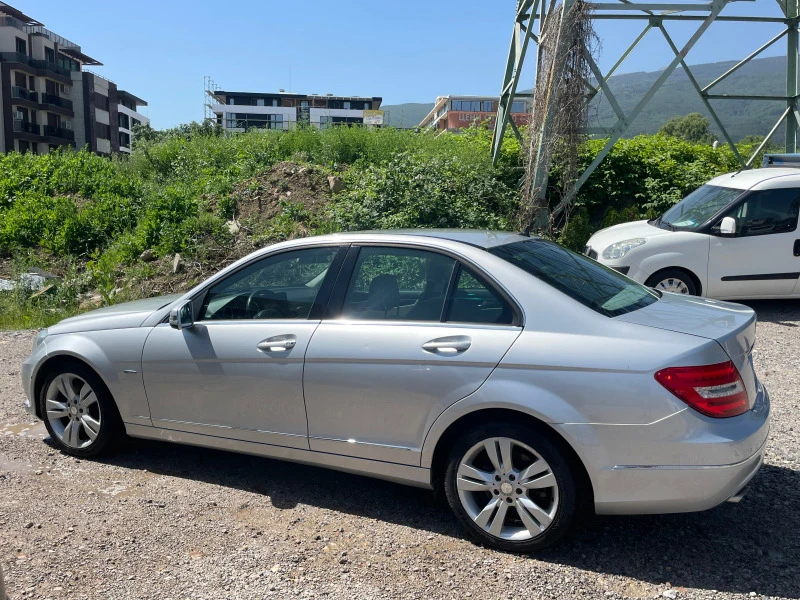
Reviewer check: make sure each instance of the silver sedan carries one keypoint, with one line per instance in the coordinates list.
(527, 382)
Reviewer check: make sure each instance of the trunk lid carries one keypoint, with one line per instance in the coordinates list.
(731, 325)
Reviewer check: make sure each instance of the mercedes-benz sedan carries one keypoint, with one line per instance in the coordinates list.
(524, 380)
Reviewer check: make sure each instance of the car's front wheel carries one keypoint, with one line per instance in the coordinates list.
(511, 487)
(676, 281)
(78, 411)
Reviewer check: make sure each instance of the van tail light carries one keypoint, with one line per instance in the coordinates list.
(714, 390)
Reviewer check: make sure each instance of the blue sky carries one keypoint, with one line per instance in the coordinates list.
(408, 51)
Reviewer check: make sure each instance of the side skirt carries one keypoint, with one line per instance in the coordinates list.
(415, 476)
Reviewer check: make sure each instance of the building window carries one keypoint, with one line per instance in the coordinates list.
(347, 106)
(259, 102)
(324, 122)
(101, 101)
(135, 122)
(466, 105)
(249, 121)
(50, 55)
(124, 140)
(519, 107)
(124, 122)
(103, 131)
(487, 106)
(22, 46)
(68, 63)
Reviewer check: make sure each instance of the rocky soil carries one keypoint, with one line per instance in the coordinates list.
(170, 522)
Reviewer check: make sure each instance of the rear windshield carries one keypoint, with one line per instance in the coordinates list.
(582, 279)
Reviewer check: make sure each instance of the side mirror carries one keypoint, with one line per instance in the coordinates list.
(727, 226)
(182, 317)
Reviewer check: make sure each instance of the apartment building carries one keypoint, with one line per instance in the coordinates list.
(240, 111)
(451, 113)
(47, 98)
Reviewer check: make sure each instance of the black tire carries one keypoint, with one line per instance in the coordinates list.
(676, 275)
(111, 429)
(541, 442)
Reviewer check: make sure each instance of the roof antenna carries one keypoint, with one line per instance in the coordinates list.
(527, 231)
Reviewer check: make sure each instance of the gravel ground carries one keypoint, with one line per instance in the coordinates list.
(165, 521)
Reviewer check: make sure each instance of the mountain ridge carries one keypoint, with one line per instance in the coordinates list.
(677, 97)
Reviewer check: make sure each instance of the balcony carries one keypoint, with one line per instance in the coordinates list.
(43, 65)
(59, 132)
(24, 94)
(53, 37)
(21, 126)
(56, 101)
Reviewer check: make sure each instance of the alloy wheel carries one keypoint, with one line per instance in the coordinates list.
(507, 489)
(73, 411)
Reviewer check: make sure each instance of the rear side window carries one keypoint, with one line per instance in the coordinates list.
(475, 301)
(582, 279)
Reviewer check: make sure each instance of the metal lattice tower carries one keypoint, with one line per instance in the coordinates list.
(531, 14)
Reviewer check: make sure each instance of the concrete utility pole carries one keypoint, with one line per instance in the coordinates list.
(531, 14)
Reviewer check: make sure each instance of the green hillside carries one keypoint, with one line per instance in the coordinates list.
(677, 96)
(763, 76)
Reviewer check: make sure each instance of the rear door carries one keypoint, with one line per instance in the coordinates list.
(762, 258)
(412, 332)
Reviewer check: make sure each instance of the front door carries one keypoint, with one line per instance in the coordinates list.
(417, 332)
(237, 372)
(760, 259)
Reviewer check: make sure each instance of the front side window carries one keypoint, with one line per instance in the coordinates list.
(698, 207)
(582, 279)
(284, 286)
(766, 212)
(398, 284)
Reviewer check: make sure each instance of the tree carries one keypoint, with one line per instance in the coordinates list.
(692, 128)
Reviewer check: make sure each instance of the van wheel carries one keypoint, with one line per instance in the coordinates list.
(510, 487)
(676, 281)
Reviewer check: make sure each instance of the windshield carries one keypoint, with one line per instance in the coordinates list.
(698, 207)
(582, 279)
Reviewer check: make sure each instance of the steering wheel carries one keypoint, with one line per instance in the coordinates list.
(275, 302)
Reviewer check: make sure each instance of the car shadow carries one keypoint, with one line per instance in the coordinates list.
(781, 312)
(748, 547)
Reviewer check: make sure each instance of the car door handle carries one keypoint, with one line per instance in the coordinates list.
(797, 247)
(448, 345)
(278, 343)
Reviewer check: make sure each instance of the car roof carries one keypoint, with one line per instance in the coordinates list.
(759, 178)
(481, 238)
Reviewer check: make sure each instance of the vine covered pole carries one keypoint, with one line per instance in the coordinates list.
(791, 75)
(655, 16)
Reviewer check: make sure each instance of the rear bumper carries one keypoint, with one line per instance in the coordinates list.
(676, 489)
(685, 463)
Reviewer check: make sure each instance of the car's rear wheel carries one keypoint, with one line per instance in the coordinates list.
(511, 487)
(676, 281)
(78, 411)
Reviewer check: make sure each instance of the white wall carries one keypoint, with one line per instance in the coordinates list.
(101, 116)
(132, 114)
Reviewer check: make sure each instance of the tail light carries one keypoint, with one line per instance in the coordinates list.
(714, 390)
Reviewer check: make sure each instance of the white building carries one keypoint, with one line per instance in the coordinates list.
(240, 111)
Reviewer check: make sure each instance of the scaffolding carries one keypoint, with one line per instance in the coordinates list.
(528, 26)
(210, 88)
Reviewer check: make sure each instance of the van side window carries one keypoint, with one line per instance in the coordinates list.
(767, 211)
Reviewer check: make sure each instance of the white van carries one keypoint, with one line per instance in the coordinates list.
(733, 238)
